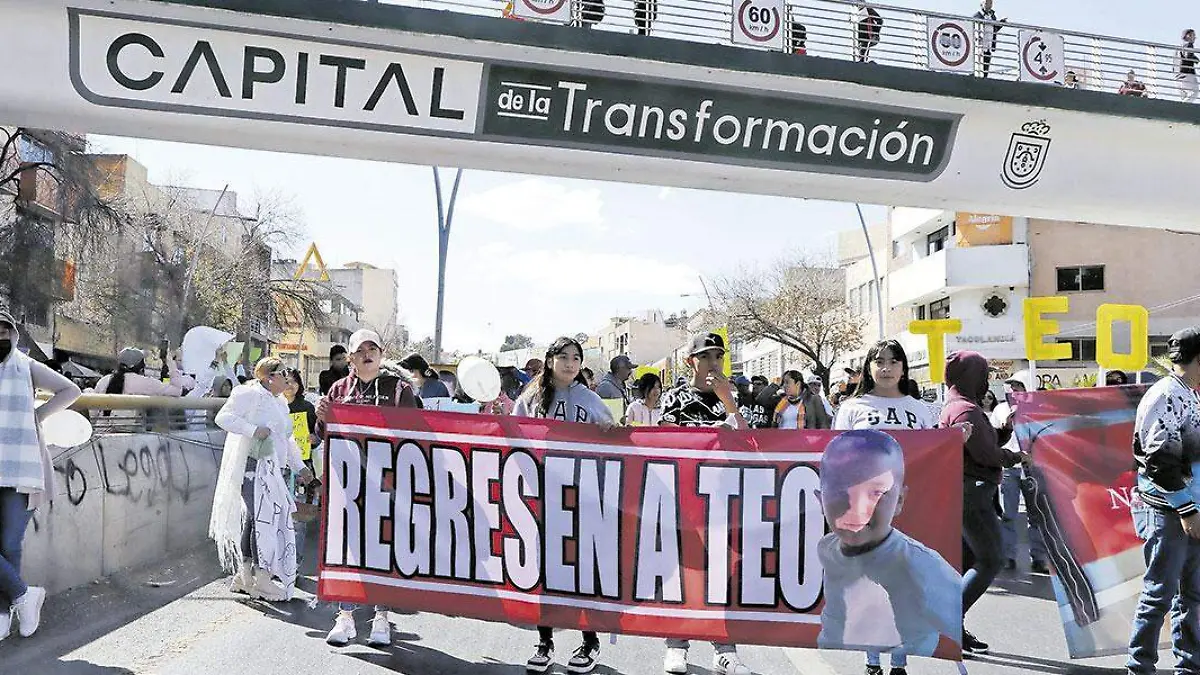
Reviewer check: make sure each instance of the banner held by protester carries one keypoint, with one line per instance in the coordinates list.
(1081, 492)
(688, 533)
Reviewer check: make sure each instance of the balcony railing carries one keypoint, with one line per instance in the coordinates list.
(1100, 63)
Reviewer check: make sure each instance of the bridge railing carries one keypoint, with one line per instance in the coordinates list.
(829, 29)
(113, 413)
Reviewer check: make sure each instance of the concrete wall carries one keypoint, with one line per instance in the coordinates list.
(123, 500)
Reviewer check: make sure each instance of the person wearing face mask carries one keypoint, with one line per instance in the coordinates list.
(27, 481)
(252, 518)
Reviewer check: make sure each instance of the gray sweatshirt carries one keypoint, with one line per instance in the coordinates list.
(576, 403)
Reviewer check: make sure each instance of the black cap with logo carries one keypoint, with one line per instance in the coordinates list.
(707, 342)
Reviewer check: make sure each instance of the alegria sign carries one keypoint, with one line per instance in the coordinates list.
(627, 115)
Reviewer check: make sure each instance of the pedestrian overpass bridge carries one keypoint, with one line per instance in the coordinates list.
(453, 83)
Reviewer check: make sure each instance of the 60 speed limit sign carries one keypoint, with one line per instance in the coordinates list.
(759, 23)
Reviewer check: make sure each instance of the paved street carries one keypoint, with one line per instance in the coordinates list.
(179, 619)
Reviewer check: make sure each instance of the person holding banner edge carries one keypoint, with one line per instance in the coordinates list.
(880, 403)
(1166, 446)
(707, 401)
(560, 392)
(367, 384)
(983, 461)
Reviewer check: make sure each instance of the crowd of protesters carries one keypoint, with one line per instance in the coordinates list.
(270, 463)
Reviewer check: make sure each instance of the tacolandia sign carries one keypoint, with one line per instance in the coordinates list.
(201, 69)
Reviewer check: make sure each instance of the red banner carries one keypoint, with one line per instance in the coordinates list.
(1080, 493)
(689, 533)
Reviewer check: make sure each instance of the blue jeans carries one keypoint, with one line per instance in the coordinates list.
(899, 658)
(14, 518)
(981, 532)
(1172, 582)
(1010, 497)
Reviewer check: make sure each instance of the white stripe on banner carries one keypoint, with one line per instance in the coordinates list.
(575, 446)
(535, 599)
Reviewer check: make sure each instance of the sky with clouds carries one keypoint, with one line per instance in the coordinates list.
(547, 256)
(542, 256)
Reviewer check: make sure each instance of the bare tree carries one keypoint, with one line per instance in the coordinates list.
(54, 212)
(517, 341)
(798, 302)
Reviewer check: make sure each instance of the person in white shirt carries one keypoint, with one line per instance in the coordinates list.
(645, 410)
(881, 402)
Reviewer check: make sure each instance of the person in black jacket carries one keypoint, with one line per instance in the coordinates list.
(869, 25)
(339, 367)
(989, 29)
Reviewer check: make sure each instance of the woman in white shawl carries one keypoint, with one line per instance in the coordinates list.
(252, 513)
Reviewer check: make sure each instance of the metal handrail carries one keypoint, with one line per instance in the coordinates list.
(1100, 62)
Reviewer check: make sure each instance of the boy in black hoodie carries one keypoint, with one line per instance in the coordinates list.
(983, 462)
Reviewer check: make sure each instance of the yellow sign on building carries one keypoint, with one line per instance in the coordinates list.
(981, 229)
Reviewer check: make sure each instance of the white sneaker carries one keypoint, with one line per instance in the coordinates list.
(381, 631)
(242, 582)
(5, 625)
(29, 610)
(675, 661)
(729, 664)
(343, 630)
(266, 588)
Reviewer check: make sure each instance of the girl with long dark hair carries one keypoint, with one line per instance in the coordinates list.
(646, 411)
(882, 402)
(130, 377)
(561, 393)
(789, 414)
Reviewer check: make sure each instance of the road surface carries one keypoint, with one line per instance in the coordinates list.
(178, 618)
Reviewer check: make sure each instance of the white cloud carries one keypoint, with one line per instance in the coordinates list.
(536, 204)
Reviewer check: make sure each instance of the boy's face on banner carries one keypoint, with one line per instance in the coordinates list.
(861, 508)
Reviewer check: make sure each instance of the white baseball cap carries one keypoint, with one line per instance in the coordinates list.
(364, 335)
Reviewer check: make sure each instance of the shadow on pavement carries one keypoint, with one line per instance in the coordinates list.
(1029, 664)
(82, 615)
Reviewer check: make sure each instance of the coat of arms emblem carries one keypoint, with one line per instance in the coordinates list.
(1026, 155)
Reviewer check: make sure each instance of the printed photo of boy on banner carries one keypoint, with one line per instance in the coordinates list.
(687, 533)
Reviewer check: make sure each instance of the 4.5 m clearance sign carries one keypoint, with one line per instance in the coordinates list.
(687, 533)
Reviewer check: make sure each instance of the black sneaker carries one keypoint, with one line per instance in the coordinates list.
(1039, 567)
(874, 670)
(542, 659)
(585, 658)
(898, 670)
(972, 644)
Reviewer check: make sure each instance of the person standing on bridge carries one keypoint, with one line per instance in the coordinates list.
(252, 518)
(709, 400)
(868, 26)
(1166, 444)
(27, 481)
(367, 384)
(1185, 67)
(989, 30)
(561, 393)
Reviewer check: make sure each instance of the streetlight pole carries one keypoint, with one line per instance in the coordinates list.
(874, 270)
(445, 214)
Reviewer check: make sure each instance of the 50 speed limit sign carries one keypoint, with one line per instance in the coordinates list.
(759, 23)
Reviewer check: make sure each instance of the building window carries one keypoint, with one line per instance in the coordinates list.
(936, 241)
(896, 249)
(1084, 278)
(940, 309)
(919, 312)
(1082, 349)
(871, 296)
(33, 151)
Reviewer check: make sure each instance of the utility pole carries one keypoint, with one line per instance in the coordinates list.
(874, 270)
(445, 214)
